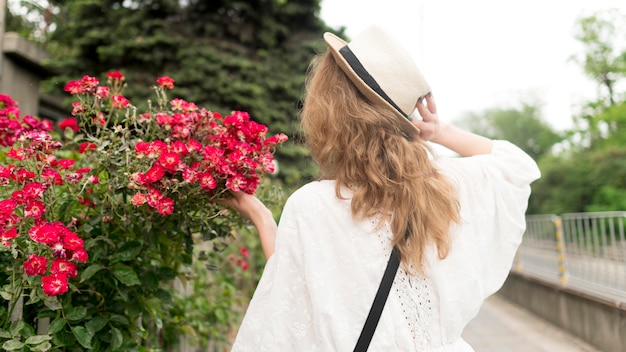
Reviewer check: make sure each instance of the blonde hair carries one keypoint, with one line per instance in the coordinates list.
(362, 147)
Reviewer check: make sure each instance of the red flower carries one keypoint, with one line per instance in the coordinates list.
(52, 177)
(55, 284)
(155, 173)
(244, 252)
(35, 209)
(244, 265)
(236, 183)
(74, 87)
(8, 234)
(70, 123)
(64, 266)
(34, 190)
(17, 154)
(115, 76)
(165, 206)
(86, 146)
(35, 265)
(65, 164)
(80, 255)
(45, 233)
(72, 241)
(166, 82)
(207, 181)
(169, 160)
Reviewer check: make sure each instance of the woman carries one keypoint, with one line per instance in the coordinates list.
(456, 222)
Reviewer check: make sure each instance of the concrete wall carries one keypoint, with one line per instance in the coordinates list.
(599, 322)
(21, 72)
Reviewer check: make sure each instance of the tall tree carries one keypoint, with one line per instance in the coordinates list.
(224, 54)
(522, 126)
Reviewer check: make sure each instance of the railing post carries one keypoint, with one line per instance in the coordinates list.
(560, 248)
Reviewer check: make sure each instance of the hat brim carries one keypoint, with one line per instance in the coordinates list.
(335, 44)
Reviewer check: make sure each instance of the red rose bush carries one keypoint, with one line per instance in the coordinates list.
(97, 216)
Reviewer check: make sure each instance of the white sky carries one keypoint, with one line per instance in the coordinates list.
(479, 54)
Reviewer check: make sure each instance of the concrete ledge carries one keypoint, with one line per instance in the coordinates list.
(599, 322)
(25, 52)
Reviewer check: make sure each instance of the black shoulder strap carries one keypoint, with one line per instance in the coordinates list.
(379, 302)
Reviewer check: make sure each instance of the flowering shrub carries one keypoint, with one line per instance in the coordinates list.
(95, 224)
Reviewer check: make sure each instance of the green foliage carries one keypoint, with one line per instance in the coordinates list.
(245, 55)
(524, 127)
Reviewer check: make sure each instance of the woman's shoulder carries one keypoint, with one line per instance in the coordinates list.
(320, 193)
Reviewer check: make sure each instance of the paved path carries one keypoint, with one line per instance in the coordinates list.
(504, 327)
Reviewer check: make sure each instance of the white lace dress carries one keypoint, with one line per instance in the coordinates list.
(317, 288)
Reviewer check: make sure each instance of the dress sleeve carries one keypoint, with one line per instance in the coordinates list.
(493, 194)
(278, 312)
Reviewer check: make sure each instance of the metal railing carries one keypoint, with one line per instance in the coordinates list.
(583, 251)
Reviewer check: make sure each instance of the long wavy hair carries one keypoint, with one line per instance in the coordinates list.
(362, 147)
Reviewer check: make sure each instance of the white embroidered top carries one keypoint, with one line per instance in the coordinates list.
(318, 287)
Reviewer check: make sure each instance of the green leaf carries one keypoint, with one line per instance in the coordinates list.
(5, 334)
(125, 275)
(120, 319)
(96, 324)
(82, 336)
(52, 303)
(16, 327)
(46, 346)
(76, 313)
(90, 271)
(128, 251)
(116, 339)
(37, 339)
(56, 325)
(12, 345)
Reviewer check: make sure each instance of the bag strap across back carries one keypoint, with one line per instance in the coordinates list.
(379, 302)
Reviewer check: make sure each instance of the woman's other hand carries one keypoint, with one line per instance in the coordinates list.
(261, 217)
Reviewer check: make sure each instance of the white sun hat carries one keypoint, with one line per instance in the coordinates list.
(382, 69)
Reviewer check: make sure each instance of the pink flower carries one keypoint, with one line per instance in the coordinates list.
(35, 265)
(119, 102)
(138, 199)
(90, 82)
(70, 123)
(165, 82)
(102, 92)
(244, 252)
(165, 206)
(55, 284)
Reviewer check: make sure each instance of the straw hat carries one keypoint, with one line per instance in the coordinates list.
(382, 70)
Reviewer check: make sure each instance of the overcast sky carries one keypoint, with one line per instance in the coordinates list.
(486, 53)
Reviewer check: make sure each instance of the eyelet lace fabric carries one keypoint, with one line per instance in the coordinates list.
(318, 286)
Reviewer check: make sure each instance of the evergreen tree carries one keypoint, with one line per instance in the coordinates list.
(224, 55)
